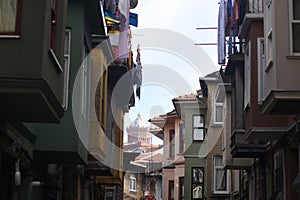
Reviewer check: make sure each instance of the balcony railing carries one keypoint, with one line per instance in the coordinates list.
(235, 17)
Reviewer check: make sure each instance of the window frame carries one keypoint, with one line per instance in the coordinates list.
(215, 104)
(170, 187)
(197, 128)
(291, 22)
(17, 31)
(220, 167)
(172, 143)
(84, 84)
(134, 184)
(261, 63)
(236, 187)
(182, 133)
(181, 187)
(197, 183)
(67, 60)
(268, 32)
(247, 76)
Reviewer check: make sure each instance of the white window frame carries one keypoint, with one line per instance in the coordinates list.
(261, 63)
(268, 34)
(215, 168)
(132, 184)
(194, 127)
(236, 180)
(247, 76)
(291, 22)
(215, 105)
(67, 58)
(84, 83)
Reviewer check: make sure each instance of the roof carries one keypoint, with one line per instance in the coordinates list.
(157, 128)
(160, 122)
(191, 96)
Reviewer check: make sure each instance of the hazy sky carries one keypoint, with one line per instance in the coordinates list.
(172, 63)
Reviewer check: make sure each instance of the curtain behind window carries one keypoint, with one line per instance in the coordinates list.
(8, 12)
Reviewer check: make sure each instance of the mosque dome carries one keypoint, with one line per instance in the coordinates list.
(139, 123)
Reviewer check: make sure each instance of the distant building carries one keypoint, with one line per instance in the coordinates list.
(139, 137)
(142, 162)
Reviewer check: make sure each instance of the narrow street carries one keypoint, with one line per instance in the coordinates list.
(149, 100)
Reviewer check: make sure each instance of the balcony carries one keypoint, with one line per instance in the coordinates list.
(240, 148)
(281, 88)
(253, 12)
(282, 102)
(32, 71)
(265, 134)
(121, 85)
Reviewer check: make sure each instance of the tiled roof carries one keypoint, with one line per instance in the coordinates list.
(191, 96)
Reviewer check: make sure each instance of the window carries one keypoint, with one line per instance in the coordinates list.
(278, 172)
(86, 74)
(172, 143)
(67, 54)
(181, 137)
(198, 128)
(10, 14)
(132, 185)
(268, 34)
(236, 180)
(295, 26)
(110, 192)
(247, 78)
(181, 188)
(84, 84)
(218, 110)
(260, 69)
(171, 190)
(220, 176)
(198, 183)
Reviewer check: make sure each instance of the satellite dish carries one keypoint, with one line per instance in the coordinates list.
(133, 4)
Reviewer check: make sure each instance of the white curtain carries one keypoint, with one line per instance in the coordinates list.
(221, 180)
(8, 12)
